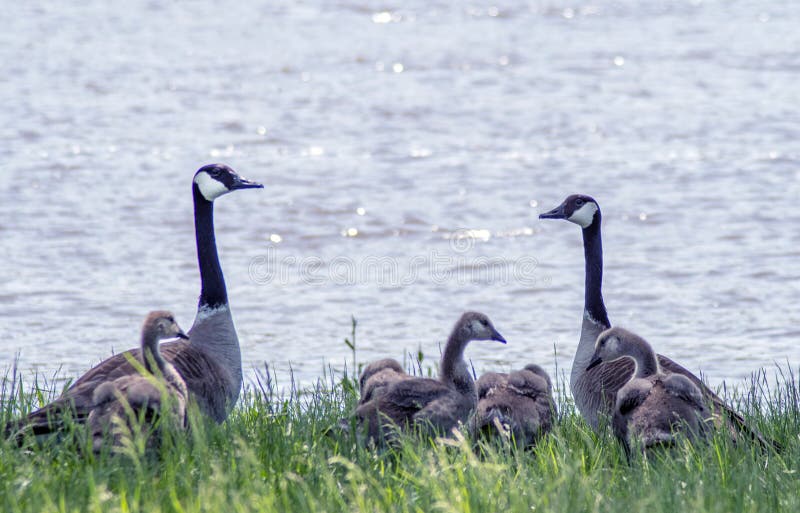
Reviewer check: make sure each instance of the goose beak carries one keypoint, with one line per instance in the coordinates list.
(244, 183)
(498, 337)
(594, 363)
(182, 335)
(556, 213)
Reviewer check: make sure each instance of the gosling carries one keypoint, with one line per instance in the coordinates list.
(135, 401)
(430, 405)
(518, 407)
(654, 406)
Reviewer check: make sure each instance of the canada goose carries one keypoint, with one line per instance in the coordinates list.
(440, 404)
(595, 389)
(137, 395)
(654, 404)
(519, 403)
(210, 362)
(377, 376)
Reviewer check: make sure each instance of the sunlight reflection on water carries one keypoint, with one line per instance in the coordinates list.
(391, 135)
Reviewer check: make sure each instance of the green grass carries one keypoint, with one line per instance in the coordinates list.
(275, 454)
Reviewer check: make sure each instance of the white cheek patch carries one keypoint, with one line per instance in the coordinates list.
(210, 189)
(477, 328)
(584, 216)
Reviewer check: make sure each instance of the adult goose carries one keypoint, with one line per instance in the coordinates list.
(438, 405)
(655, 405)
(595, 389)
(141, 400)
(519, 405)
(210, 361)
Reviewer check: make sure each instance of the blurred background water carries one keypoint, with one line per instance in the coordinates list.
(406, 149)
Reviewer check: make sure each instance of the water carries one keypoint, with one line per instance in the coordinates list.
(403, 152)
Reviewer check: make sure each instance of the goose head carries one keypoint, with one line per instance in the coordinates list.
(477, 326)
(214, 180)
(578, 208)
(615, 343)
(162, 325)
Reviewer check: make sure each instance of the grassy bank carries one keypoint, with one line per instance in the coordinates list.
(273, 454)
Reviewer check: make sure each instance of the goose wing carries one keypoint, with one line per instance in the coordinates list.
(414, 394)
(675, 369)
(206, 381)
(610, 377)
(446, 411)
(737, 422)
(398, 405)
(199, 371)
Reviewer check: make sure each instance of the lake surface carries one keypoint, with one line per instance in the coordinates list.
(406, 150)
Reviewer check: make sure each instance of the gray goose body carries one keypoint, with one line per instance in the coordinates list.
(210, 361)
(436, 405)
(519, 404)
(595, 390)
(160, 390)
(655, 405)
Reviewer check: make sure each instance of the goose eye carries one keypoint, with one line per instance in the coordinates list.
(579, 202)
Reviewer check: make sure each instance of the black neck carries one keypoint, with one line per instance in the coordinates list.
(593, 253)
(212, 293)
